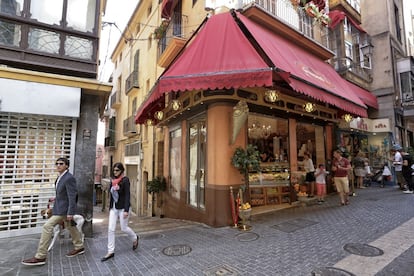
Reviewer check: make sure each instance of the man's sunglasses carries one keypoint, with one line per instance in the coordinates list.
(60, 163)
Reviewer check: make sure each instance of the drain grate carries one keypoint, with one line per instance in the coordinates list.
(221, 270)
(176, 250)
(294, 225)
(363, 249)
(246, 237)
(331, 271)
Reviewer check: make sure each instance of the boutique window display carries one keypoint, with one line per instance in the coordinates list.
(270, 185)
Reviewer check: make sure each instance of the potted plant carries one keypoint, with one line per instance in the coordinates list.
(245, 160)
(155, 187)
(160, 30)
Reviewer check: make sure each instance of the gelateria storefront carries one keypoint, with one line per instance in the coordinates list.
(281, 156)
(215, 98)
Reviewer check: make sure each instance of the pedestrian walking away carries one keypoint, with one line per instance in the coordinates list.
(340, 168)
(119, 205)
(64, 209)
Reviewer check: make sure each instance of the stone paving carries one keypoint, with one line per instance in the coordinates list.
(303, 240)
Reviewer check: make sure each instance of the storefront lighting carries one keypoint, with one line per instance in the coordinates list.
(149, 122)
(175, 104)
(271, 96)
(159, 115)
(309, 107)
(347, 117)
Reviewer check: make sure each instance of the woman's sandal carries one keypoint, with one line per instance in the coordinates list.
(135, 244)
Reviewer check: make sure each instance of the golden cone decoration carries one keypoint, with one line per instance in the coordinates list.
(240, 113)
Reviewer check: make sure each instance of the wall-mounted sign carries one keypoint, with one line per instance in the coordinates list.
(368, 125)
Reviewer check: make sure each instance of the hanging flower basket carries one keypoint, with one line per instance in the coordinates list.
(324, 19)
(312, 10)
(160, 30)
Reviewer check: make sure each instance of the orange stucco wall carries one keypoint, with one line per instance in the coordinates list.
(219, 124)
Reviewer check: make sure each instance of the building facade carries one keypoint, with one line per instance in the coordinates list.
(50, 105)
(200, 95)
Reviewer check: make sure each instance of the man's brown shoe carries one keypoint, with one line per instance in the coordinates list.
(34, 261)
(75, 252)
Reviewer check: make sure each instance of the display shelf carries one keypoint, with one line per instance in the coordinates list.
(269, 194)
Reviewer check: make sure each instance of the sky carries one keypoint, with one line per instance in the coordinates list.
(118, 12)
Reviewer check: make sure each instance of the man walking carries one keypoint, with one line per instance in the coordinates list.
(63, 210)
(340, 167)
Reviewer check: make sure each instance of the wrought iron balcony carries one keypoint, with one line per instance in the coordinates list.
(172, 40)
(295, 17)
(130, 128)
(110, 142)
(131, 82)
(345, 66)
(116, 100)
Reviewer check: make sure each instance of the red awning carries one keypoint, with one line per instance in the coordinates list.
(367, 97)
(167, 7)
(337, 16)
(320, 80)
(219, 57)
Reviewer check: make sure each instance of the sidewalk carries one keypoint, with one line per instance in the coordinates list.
(303, 240)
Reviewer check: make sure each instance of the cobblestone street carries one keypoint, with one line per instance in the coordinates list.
(371, 236)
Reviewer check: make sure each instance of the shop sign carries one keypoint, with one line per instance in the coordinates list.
(369, 125)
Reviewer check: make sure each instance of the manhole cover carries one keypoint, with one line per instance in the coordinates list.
(152, 236)
(246, 237)
(221, 270)
(363, 249)
(176, 250)
(331, 271)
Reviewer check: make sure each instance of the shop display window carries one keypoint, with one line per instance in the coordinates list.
(271, 184)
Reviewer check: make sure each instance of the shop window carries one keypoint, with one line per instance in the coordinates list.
(270, 136)
(196, 162)
(310, 139)
(175, 162)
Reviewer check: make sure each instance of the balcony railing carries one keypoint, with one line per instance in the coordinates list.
(346, 65)
(116, 100)
(131, 81)
(130, 128)
(132, 149)
(175, 29)
(296, 18)
(109, 141)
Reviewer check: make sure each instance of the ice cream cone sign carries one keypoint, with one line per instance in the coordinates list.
(240, 113)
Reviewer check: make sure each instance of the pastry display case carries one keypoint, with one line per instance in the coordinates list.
(271, 185)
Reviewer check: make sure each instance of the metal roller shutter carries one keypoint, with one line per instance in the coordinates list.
(29, 147)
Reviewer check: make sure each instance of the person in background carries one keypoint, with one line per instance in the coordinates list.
(320, 176)
(359, 169)
(407, 172)
(310, 173)
(63, 210)
(340, 168)
(397, 163)
(386, 174)
(119, 208)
